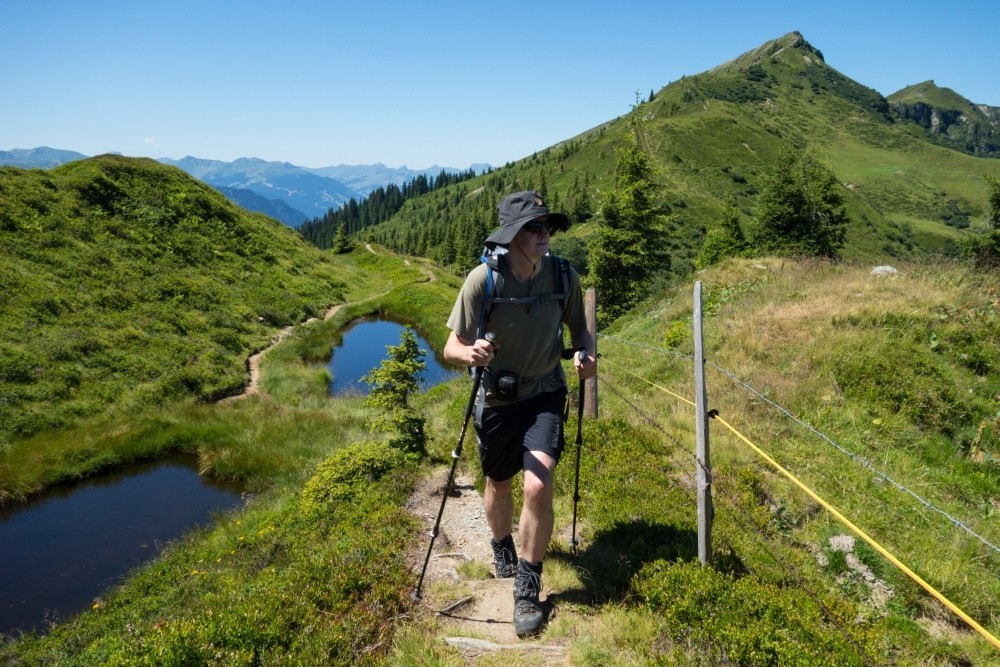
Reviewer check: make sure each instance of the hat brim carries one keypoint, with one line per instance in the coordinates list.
(558, 222)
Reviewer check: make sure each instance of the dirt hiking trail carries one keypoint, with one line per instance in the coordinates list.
(253, 361)
(474, 615)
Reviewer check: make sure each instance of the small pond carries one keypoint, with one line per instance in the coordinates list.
(363, 348)
(64, 548)
(67, 546)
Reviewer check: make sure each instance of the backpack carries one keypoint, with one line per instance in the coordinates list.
(494, 285)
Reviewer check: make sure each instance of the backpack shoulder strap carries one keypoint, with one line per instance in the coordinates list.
(494, 284)
(494, 287)
(564, 275)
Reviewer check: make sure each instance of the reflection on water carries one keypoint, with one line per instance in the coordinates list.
(64, 548)
(362, 349)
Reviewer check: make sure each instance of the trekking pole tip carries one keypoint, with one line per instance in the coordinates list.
(415, 596)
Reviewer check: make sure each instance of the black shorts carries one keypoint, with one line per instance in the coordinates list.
(507, 432)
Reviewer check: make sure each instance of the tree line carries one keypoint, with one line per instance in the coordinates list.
(380, 205)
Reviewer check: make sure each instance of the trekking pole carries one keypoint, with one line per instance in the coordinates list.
(582, 356)
(455, 456)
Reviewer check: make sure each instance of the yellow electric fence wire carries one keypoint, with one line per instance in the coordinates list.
(875, 545)
(653, 384)
(832, 510)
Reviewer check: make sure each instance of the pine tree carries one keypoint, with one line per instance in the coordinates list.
(993, 203)
(984, 249)
(629, 246)
(800, 210)
(341, 241)
(728, 240)
(582, 210)
(393, 382)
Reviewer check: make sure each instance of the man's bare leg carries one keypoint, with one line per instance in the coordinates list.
(499, 506)
(537, 517)
(498, 503)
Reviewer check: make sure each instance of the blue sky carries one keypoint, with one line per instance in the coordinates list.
(319, 83)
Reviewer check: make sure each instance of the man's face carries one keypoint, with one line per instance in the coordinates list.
(534, 236)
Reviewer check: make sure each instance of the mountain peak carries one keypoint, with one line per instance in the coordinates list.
(787, 46)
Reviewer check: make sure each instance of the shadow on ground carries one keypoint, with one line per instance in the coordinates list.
(608, 562)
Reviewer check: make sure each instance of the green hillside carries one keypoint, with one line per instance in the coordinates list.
(127, 283)
(715, 135)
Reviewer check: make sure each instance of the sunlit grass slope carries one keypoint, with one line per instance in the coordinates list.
(126, 282)
(893, 381)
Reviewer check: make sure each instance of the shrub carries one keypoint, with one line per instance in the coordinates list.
(350, 470)
(748, 621)
(983, 250)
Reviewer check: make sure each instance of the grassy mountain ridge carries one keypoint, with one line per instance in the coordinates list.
(715, 135)
(127, 282)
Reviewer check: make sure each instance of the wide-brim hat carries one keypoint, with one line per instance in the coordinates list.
(517, 210)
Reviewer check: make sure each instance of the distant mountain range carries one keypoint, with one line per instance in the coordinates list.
(251, 201)
(282, 190)
(367, 178)
(38, 158)
(298, 188)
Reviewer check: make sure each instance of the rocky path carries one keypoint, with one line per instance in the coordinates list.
(473, 614)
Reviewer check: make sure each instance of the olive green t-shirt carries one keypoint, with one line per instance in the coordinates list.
(529, 335)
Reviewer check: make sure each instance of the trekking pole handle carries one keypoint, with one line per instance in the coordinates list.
(582, 355)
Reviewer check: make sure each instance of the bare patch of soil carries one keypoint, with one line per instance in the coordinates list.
(253, 362)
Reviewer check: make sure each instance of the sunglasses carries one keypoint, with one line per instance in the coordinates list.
(536, 227)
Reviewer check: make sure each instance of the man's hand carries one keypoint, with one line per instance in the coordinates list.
(481, 352)
(585, 368)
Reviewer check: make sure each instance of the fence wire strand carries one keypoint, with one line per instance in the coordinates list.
(878, 547)
(855, 457)
(741, 517)
(958, 523)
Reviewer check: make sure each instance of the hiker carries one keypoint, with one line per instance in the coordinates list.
(519, 411)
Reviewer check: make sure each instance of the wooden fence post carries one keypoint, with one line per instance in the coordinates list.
(590, 392)
(703, 465)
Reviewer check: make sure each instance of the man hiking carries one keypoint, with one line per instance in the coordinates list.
(523, 295)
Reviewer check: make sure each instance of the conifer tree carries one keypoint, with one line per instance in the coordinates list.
(629, 246)
(582, 210)
(728, 240)
(800, 210)
(341, 242)
(984, 249)
(993, 203)
(393, 382)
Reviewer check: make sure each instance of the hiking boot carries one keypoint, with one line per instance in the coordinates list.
(528, 613)
(504, 557)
